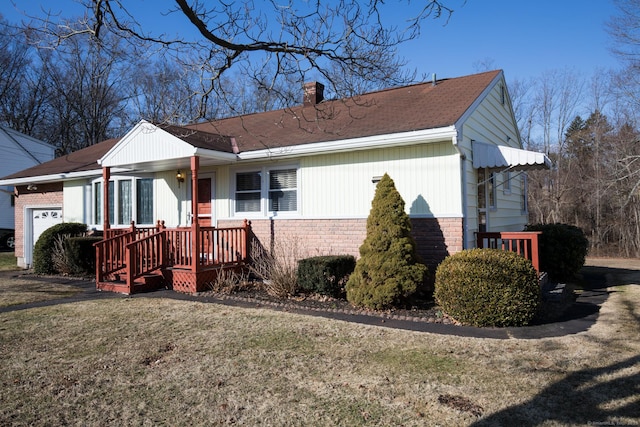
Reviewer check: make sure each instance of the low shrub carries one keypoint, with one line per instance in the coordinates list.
(277, 267)
(81, 254)
(45, 246)
(488, 287)
(562, 249)
(325, 275)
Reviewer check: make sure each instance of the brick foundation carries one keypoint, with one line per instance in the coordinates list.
(435, 238)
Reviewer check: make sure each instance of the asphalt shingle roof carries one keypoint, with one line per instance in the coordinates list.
(409, 108)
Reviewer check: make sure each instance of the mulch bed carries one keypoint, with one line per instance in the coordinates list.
(424, 311)
(419, 311)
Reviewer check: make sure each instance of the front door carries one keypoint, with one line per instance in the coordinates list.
(205, 216)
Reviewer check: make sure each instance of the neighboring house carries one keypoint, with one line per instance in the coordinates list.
(17, 152)
(304, 176)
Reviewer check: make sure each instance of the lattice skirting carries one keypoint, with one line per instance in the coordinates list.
(189, 282)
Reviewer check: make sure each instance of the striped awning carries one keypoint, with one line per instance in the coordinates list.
(503, 157)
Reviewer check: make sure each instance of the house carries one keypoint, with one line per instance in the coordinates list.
(304, 175)
(19, 151)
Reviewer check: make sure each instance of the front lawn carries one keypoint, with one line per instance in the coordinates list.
(153, 361)
(8, 261)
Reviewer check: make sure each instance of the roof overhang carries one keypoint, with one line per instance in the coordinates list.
(56, 177)
(149, 148)
(508, 158)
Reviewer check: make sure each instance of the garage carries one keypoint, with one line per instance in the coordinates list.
(41, 219)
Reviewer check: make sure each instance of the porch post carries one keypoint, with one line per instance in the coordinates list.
(106, 175)
(195, 226)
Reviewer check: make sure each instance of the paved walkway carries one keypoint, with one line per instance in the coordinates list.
(580, 317)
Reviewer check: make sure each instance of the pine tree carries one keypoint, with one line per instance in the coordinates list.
(387, 271)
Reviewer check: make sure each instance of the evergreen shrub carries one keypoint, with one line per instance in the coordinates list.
(488, 287)
(45, 246)
(562, 249)
(81, 254)
(387, 272)
(325, 275)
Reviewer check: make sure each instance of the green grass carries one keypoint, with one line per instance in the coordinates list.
(8, 261)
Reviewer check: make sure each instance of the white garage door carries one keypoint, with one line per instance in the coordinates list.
(43, 219)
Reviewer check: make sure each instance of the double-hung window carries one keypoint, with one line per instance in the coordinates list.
(266, 191)
(129, 199)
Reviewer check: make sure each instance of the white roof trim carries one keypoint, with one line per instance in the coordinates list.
(365, 143)
(165, 146)
(41, 179)
(503, 157)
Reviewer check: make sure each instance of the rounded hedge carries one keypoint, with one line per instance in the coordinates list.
(42, 262)
(488, 287)
(562, 249)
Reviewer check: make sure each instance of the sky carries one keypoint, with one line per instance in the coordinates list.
(525, 38)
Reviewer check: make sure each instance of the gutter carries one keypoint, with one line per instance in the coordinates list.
(367, 143)
(42, 179)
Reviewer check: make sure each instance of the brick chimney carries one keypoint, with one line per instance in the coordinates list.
(313, 93)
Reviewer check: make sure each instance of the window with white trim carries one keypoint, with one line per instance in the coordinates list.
(491, 190)
(130, 199)
(266, 190)
(506, 182)
(524, 204)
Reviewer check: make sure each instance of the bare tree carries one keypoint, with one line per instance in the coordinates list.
(22, 83)
(347, 43)
(624, 29)
(89, 87)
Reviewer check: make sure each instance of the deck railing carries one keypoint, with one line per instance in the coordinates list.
(111, 254)
(216, 246)
(524, 243)
(129, 254)
(145, 256)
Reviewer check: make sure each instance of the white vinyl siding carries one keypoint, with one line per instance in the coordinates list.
(491, 122)
(340, 185)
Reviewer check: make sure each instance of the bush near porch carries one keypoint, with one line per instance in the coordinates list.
(44, 248)
(562, 248)
(488, 287)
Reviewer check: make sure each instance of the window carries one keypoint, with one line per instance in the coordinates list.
(278, 188)
(506, 182)
(524, 205)
(144, 201)
(124, 201)
(129, 199)
(97, 202)
(248, 192)
(491, 189)
(283, 194)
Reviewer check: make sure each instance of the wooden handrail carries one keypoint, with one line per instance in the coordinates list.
(145, 255)
(524, 243)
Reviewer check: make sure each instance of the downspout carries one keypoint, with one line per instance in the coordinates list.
(463, 175)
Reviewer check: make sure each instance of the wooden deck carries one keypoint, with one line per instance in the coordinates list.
(185, 259)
